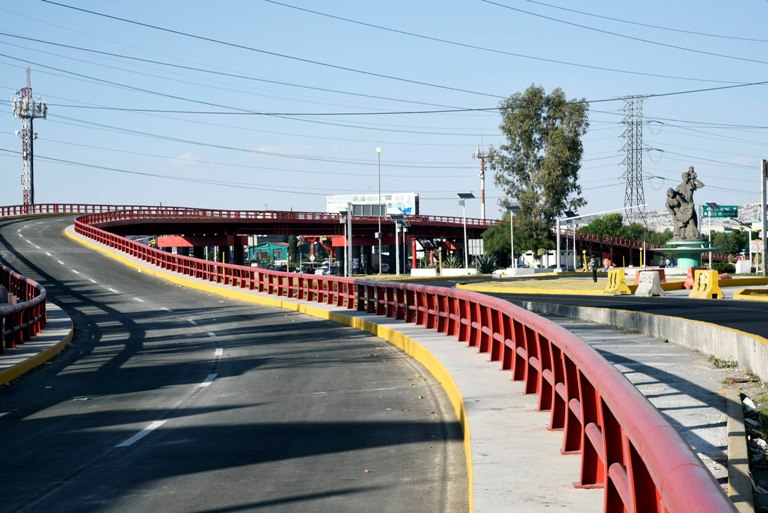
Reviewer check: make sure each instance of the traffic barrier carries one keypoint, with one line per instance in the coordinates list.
(649, 284)
(706, 285)
(617, 283)
(25, 315)
(660, 272)
(626, 446)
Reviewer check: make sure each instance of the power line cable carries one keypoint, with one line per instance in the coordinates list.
(238, 149)
(440, 169)
(648, 25)
(493, 50)
(238, 185)
(222, 73)
(624, 36)
(275, 54)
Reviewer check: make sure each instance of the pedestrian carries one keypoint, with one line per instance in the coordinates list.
(594, 269)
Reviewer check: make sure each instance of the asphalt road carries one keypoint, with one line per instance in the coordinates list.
(177, 401)
(747, 316)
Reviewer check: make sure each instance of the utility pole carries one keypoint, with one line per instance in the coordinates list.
(763, 178)
(482, 156)
(27, 109)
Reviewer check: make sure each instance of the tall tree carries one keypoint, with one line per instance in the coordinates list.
(539, 164)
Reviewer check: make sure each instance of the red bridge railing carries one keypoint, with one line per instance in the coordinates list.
(127, 212)
(625, 444)
(25, 316)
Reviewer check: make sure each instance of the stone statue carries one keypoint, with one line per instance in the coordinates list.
(679, 203)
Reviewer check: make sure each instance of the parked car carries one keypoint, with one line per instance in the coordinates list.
(563, 267)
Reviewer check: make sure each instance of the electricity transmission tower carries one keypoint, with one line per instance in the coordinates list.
(27, 109)
(634, 195)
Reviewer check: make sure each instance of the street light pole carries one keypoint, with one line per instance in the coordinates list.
(349, 237)
(575, 225)
(397, 249)
(462, 201)
(763, 221)
(343, 220)
(378, 155)
(711, 206)
(513, 209)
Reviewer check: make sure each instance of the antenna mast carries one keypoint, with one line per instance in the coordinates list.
(27, 109)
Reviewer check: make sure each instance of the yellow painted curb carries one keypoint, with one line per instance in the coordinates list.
(8, 375)
(479, 287)
(752, 294)
(397, 339)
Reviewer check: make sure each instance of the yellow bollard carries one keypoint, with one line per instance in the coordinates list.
(617, 283)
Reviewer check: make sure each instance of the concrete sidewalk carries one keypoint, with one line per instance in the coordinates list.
(513, 460)
(47, 344)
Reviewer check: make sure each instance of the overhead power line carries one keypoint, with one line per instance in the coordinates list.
(220, 183)
(494, 50)
(624, 36)
(648, 25)
(244, 150)
(274, 54)
(219, 73)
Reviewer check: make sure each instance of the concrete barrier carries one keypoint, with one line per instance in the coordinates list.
(706, 285)
(660, 272)
(649, 284)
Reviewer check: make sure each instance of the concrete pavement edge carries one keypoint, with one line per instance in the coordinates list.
(59, 328)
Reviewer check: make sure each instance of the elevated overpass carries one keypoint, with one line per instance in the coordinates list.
(593, 410)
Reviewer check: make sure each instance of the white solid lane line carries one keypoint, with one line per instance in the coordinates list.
(141, 434)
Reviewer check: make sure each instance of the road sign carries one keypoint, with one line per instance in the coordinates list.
(722, 211)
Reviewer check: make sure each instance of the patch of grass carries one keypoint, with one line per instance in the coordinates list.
(723, 364)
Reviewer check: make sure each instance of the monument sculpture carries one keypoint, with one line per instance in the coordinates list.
(687, 244)
(680, 204)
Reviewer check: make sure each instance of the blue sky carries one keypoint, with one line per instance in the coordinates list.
(258, 104)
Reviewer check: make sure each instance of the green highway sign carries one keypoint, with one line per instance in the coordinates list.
(722, 211)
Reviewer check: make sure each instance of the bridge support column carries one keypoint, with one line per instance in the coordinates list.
(239, 256)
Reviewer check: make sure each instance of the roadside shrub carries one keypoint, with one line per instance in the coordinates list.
(485, 264)
(724, 267)
(453, 261)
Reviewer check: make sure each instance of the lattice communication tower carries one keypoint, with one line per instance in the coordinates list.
(27, 109)
(634, 195)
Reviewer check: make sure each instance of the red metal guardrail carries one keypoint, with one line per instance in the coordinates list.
(23, 320)
(127, 212)
(626, 446)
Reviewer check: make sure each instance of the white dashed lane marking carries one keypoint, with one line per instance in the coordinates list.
(141, 434)
(208, 380)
